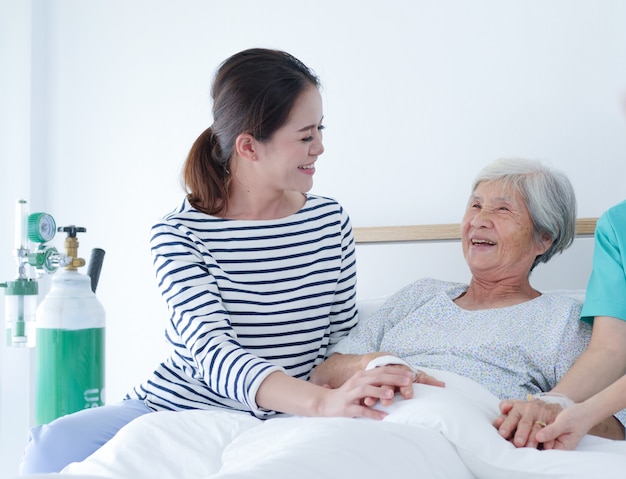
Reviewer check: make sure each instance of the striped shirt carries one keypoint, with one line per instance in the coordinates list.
(247, 298)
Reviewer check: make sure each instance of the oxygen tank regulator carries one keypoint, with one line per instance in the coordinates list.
(68, 327)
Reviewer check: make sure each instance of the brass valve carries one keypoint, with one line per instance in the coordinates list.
(71, 246)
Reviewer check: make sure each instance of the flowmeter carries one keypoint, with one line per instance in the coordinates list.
(21, 293)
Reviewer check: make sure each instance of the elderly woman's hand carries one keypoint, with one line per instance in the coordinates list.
(419, 377)
(520, 421)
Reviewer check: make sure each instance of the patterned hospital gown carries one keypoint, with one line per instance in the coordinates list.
(511, 351)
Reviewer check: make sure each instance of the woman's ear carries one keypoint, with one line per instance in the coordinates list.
(545, 243)
(245, 144)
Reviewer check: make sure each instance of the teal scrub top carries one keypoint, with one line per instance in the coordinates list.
(606, 290)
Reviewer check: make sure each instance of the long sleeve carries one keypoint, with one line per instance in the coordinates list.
(247, 298)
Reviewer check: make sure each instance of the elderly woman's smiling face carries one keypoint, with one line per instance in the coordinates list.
(497, 233)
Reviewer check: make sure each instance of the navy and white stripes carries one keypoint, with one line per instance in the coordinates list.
(247, 298)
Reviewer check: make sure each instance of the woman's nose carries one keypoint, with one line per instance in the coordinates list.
(317, 148)
(481, 218)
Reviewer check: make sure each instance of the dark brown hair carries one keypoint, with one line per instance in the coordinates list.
(253, 92)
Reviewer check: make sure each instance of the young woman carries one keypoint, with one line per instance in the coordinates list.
(258, 275)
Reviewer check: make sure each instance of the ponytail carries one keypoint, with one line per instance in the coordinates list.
(205, 174)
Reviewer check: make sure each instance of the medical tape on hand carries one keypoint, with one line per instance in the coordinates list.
(553, 398)
(387, 361)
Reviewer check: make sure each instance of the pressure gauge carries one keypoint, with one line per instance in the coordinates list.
(41, 227)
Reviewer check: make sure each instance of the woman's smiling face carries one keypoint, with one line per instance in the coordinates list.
(289, 157)
(497, 233)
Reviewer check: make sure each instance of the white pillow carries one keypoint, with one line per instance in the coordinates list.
(367, 307)
(577, 294)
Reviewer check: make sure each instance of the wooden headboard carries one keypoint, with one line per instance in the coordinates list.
(412, 233)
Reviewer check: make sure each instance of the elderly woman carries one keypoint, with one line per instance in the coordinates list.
(497, 330)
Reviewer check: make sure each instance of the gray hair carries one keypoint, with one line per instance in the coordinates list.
(549, 197)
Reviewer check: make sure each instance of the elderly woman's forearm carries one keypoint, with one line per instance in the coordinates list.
(610, 428)
(338, 368)
(609, 401)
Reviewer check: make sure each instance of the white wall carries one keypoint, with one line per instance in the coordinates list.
(419, 95)
(15, 115)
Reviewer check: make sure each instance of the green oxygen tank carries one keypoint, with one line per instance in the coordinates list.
(70, 330)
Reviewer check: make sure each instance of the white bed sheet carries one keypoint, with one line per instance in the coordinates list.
(442, 433)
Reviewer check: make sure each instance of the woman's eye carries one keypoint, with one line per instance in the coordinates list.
(321, 127)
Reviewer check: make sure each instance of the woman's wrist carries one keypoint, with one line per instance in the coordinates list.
(552, 398)
(366, 359)
(388, 360)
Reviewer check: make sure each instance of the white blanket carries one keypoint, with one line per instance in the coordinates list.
(441, 433)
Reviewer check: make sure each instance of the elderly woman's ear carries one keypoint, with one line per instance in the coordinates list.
(544, 243)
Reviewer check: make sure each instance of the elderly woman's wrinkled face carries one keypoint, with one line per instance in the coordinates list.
(497, 233)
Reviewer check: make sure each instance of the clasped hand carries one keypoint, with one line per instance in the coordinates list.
(406, 391)
(520, 421)
(366, 388)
